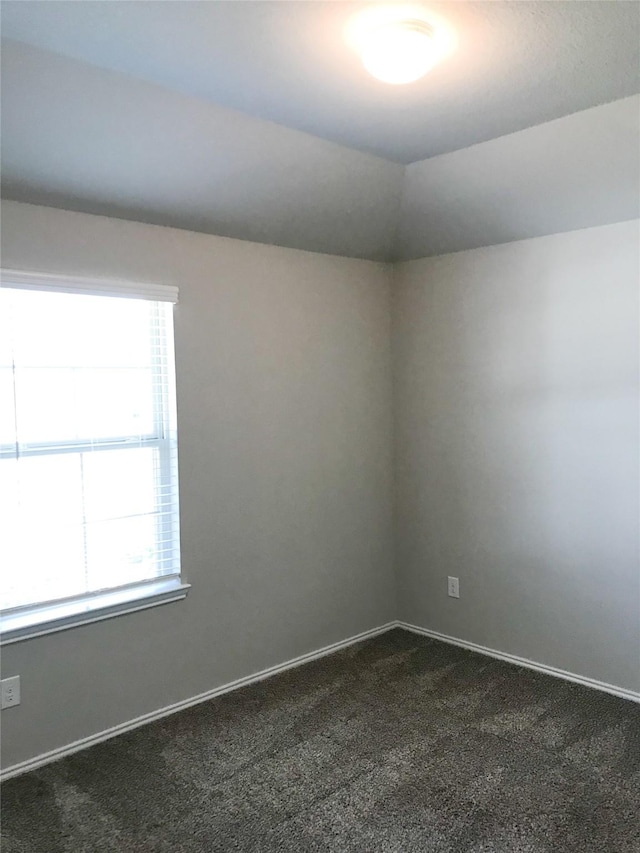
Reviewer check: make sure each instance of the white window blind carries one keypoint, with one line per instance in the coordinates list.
(88, 443)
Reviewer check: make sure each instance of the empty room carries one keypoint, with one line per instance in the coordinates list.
(320, 426)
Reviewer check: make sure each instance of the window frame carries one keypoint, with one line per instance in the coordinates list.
(35, 619)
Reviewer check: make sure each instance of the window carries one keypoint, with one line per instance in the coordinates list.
(88, 451)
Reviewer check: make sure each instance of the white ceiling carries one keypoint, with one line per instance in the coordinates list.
(518, 64)
(156, 111)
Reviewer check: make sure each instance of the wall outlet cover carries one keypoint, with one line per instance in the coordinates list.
(10, 691)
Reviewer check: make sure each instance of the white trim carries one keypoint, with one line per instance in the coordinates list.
(25, 623)
(107, 734)
(622, 692)
(26, 280)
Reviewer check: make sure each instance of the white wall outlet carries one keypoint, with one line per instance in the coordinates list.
(453, 587)
(10, 691)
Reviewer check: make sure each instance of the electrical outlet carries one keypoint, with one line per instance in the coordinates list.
(10, 691)
(453, 587)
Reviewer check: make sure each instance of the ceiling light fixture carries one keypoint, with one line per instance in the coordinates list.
(400, 44)
(399, 52)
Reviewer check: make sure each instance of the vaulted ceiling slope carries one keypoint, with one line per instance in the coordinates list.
(92, 139)
(97, 141)
(575, 172)
(518, 64)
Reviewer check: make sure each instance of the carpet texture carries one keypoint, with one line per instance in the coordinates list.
(398, 745)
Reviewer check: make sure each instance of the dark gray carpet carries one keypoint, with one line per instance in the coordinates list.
(400, 744)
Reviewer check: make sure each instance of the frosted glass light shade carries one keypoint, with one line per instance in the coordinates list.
(399, 51)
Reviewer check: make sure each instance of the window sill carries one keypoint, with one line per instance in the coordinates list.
(47, 619)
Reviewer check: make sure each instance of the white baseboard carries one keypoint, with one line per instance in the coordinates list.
(107, 734)
(529, 664)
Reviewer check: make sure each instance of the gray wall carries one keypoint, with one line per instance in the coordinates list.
(283, 369)
(516, 401)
